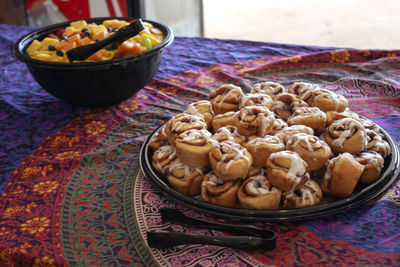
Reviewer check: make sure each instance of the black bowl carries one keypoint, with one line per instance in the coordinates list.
(93, 84)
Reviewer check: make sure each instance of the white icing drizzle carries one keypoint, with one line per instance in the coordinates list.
(349, 127)
(269, 88)
(304, 138)
(306, 193)
(266, 140)
(178, 125)
(263, 113)
(193, 134)
(213, 180)
(169, 150)
(165, 149)
(371, 157)
(259, 99)
(298, 167)
(323, 93)
(230, 92)
(235, 148)
(258, 185)
(227, 132)
(177, 164)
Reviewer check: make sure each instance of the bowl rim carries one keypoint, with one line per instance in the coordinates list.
(23, 42)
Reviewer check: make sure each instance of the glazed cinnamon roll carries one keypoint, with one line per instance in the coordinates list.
(279, 124)
(373, 164)
(285, 104)
(230, 161)
(257, 193)
(185, 179)
(346, 135)
(304, 91)
(376, 143)
(332, 116)
(308, 195)
(225, 98)
(255, 100)
(181, 123)
(222, 120)
(193, 146)
(286, 170)
(158, 139)
(369, 125)
(163, 157)
(202, 109)
(217, 191)
(326, 100)
(268, 88)
(287, 132)
(261, 147)
(342, 175)
(311, 149)
(229, 133)
(312, 117)
(254, 120)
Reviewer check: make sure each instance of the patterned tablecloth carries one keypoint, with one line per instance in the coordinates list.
(71, 191)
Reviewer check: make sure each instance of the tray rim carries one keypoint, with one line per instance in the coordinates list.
(369, 192)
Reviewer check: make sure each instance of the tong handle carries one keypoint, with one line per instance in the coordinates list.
(173, 215)
(172, 239)
(85, 51)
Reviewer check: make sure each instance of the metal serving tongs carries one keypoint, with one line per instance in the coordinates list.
(249, 237)
(85, 51)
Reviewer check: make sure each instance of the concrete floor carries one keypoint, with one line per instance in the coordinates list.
(363, 24)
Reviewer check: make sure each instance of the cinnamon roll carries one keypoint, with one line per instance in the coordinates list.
(346, 135)
(254, 120)
(373, 164)
(261, 147)
(286, 170)
(202, 109)
(285, 104)
(327, 100)
(257, 193)
(185, 179)
(268, 88)
(312, 117)
(287, 132)
(332, 116)
(369, 125)
(158, 139)
(222, 120)
(342, 175)
(255, 100)
(181, 123)
(230, 161)
(279, 124)
(225, 98)
(217, 191)
(308, 195)
(311, 149)
(163, 157)
(229, 133)
(304, 91)
(193, 146)
(376, 143)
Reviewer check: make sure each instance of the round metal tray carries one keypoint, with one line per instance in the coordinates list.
(361, 194)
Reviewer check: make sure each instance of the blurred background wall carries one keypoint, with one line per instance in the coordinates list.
(365, 24)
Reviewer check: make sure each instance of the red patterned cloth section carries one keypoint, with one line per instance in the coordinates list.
(79, 198)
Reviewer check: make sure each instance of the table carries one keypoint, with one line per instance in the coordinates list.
(71, 192)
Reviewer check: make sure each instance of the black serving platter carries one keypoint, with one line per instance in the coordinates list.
(361, 195)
